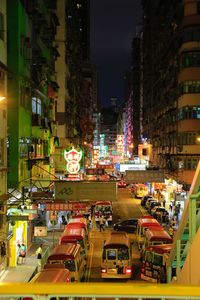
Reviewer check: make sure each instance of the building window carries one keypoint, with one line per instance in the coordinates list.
(190, 87)
(190, 59)
(188, 138)
(36, 106)
(191, 34)
(23, 150)
(189, 112)
(2, 29)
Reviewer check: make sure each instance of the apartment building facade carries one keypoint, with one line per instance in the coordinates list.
(171, 86)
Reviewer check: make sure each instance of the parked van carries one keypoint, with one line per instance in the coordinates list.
(70, 256)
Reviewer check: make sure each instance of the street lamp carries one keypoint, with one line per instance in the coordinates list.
(2, 98)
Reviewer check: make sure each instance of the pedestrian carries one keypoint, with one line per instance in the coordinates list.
(23, 253)
(106, 222)
(162, 275)
(163, 217)
(19, 259)
(164, 202)
(101, 223)
(176, 213)
(170, 206)
(90, 224)
(172, 223)
(171, 231)
(39, 257)
(64, 221)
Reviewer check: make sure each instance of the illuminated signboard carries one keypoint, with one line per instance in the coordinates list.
(73, 158)
(40, 231)
(95, 171)
(120, 143)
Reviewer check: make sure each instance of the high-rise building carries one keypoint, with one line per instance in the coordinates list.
(171, 85)
(4, 72)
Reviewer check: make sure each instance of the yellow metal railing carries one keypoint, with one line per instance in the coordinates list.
(98, 290)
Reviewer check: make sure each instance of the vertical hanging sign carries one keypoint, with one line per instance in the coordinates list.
(73, 158)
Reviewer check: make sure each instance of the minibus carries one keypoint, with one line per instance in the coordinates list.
(79, 220)
(75, 235)
(154, 261)
(156, 237)
(143, 224)
(52, 275)
(77, 224)
(70, 256)
(116, 261)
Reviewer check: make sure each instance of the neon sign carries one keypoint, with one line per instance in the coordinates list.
(73, 157)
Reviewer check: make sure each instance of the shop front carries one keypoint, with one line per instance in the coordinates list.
(18, 235)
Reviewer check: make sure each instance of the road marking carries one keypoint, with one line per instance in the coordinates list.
(90, 256)
(4, 275)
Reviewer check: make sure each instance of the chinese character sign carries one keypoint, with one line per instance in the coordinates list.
(73, 158)
(120, 143)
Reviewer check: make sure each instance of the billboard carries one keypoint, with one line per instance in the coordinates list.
(144, 176)
(73, 190)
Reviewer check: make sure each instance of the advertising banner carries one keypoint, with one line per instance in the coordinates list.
(73, 191)
(144, 176)
(40, 231)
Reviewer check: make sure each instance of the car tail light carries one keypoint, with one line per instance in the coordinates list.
(128, 270)
(103, 270)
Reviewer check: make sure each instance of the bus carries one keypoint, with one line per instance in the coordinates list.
(70, 256)
(103, 208)
(52, 275)
(154, 262)
(143, 224)
(116, 261)
(75, 235)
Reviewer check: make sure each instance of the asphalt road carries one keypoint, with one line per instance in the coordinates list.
(125, 207)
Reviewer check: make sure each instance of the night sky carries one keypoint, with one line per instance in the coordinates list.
(114, 24)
